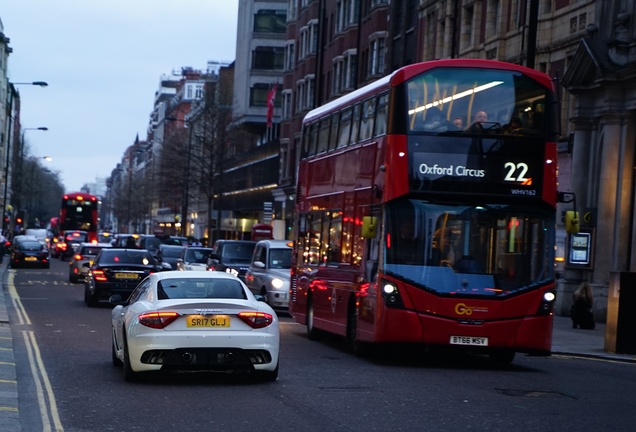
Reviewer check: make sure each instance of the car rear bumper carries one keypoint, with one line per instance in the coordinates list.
(195, 351)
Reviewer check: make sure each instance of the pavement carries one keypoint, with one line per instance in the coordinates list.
(566, 341)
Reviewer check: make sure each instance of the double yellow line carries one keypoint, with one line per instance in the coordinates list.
(44, 391)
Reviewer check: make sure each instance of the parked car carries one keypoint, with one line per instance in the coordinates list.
(72, 239)
(194, 321)
(169, 254)
(193, 258)
(85, 253)
(29, 252)
(269, 272)
(231, 256)
(117, 271)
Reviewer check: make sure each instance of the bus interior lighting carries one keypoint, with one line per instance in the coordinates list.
(455, 97)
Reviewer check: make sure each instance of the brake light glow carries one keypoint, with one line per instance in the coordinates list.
(99, 275)
(157, 320)
(77, 257)
(256, 319)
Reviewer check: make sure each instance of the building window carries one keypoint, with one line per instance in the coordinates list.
(313, 37)
(291, 10)
(311, 89)
(258, 95)
(287, 104)
(467, 28)
(270, 21)
(290, 55)
(376, 56)
(268, 58)
(338, 66)
(351, 70)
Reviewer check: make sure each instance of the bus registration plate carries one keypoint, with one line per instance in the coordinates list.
(469, 340)
(206, 321)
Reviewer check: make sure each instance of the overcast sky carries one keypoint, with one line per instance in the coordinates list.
(103, 61)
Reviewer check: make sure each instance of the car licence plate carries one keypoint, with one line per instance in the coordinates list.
(469, 340)
(126, 276)
(207, 321)
(30, 259)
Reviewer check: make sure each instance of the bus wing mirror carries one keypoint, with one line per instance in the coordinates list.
(571, 222)
(369, 227)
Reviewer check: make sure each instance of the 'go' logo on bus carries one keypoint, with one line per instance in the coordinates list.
(463, 309)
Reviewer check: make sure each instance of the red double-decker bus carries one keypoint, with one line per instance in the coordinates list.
(412, 227)
(79, 212)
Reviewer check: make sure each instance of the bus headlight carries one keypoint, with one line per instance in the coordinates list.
(391, 295)
(547, 303)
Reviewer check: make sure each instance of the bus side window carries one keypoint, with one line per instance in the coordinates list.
(313, 139)
(355, 124)
(305, 142)
(368, 117)
(323, 135)
(333, 135)
(381, 116)
(345, 128)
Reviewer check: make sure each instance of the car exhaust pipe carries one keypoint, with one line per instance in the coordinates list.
(187, 357)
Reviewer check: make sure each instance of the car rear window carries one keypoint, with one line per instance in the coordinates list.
(172, 252)
(238, 251)
(90, 251)
(188, 288)
(199, 256)
(125, 257)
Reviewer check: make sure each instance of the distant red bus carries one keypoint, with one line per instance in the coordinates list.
(79, 211)
(413, 228)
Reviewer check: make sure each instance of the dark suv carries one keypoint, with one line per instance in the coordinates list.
(231, 256)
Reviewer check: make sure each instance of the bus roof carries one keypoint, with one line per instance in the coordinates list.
(407, 72)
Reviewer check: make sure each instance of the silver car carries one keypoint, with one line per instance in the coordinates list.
(85, 252)
(269, 272)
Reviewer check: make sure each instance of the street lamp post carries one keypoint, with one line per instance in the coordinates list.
(11, 95)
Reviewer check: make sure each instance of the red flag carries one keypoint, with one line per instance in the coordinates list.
(271, 96)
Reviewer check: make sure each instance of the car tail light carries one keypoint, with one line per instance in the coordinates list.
(256, 319)
(157, 320)
(99, 275)
(77, 257)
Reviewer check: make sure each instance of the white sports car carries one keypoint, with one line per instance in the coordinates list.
(194, 321)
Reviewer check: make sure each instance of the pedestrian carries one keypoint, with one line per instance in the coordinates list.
(197, 242)
(581, 311)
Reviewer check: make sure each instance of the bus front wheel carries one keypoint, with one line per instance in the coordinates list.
(358, 347)
(312, 332)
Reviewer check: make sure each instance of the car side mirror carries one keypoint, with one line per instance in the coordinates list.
(259, 264)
